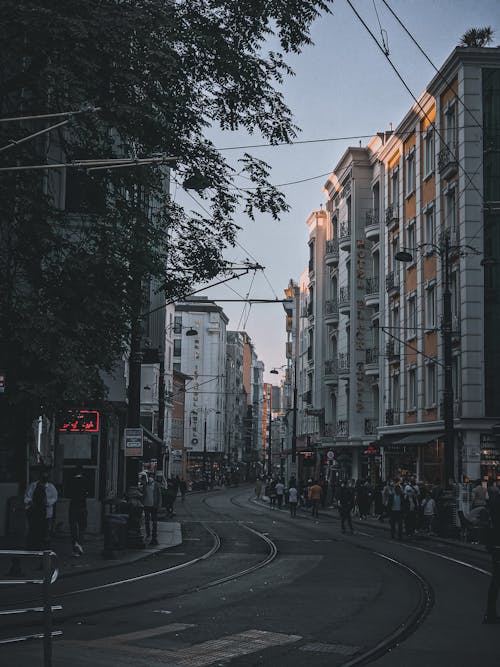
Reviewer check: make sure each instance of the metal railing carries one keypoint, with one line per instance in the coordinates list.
(371, 218)
(371, 355)
(50, 574)
(372, 285)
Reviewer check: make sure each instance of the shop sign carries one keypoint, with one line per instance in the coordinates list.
(134, 444)
(81, 421)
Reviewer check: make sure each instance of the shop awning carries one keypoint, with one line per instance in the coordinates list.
(419, 438)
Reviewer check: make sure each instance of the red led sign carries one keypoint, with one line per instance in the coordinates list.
(81, 421)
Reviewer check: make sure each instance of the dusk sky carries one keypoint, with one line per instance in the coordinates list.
(344, 87)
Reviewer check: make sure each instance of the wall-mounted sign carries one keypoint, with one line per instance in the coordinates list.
(134, 444)
(81, 421)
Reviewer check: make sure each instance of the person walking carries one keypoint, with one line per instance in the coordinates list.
(151, 499)
(346, 505)
(429, 512)
(77, 516)
(293, 498)
(39, 500)
(272, 495)
(258, 488)
(410, 507)
(493, 547)
(280, 492)
(395, 505)
(183, 489)
(315, 492)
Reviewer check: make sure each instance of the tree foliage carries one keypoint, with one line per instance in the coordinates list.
(161, 74)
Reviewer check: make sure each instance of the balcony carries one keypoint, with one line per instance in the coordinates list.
(342, 430)
(371, 426)
(392, 283)
(372, 225)
(311, 265)
(447, 161)
(344, 301)
(310, 355)
(392, 352)
(372, 289)
(332, 253)
(331, 313)
(345, 235)
(331, 372)
(371, 361)
(344, 364)
(391, 417)
(307, 397)
(391, 216)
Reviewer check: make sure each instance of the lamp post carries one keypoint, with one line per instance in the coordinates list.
(444, 250)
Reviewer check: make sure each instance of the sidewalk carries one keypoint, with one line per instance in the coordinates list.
(169, 535)
(373, 522)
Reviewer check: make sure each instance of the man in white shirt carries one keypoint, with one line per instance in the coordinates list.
(39, 500)
(280, 490)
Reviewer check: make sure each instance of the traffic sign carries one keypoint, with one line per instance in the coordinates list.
(330, 455)
(134, 444)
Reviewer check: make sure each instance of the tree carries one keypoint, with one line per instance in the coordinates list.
(161, 74)
(477, 37)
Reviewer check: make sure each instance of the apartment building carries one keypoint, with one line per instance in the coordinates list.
(411, 220)
(440, 193)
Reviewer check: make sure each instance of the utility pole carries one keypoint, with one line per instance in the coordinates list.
(204, 467)
(447, 324)
(269, 448)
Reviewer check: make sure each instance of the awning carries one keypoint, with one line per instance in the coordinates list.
(420, 438)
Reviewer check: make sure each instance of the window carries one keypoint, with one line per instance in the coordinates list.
(395, 189)
(411, 241)
(412, 317)
(450, 127)
(395, 393)
(410, 173)
(430, 307)
(450, 210)
(412, 389)
(177, 347)
(455, 295)
(429, 153)
(429, 229)
(178, 324)
(431, 385)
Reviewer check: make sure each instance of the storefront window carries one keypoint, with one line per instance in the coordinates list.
(490, 457)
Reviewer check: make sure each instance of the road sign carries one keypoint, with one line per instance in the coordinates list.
(330, 455)
(134, 445)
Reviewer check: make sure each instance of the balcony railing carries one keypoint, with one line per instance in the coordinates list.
(332, 247)
(371, 426)
(447, 161)
(391, 215)
(372, 285)
(311, 265)
(391, 281)
(344, 296)
(331, 308)
(371, 218)
(329, 430)
(391, 417)
(371, 355)
(392, 350)
(342, 429)
(331, 367)
(307, 397)
(344, 362)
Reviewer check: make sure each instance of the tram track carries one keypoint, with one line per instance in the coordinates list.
(215, 548)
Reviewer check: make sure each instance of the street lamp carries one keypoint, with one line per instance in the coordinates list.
(444, 250)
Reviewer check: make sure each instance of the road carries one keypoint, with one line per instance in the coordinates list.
(251, 586)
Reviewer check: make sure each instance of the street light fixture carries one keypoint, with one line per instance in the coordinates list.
(444, 250)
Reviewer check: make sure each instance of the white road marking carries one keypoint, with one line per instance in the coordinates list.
(453, 560)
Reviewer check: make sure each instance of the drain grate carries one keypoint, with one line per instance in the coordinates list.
(339, 649)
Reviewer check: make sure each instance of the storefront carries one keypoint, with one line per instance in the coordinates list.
(419, 455)
(490, 457)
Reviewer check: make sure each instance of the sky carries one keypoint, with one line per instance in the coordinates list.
(343, 87)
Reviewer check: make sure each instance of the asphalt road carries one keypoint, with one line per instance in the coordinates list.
(250, 586)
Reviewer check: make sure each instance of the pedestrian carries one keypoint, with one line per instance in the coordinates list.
(346, 505)
(315, 492)
(410, 508)
(39, 500)
(363, 498)
(183, 489)
(395, 505)
(493, 546)
(430, 512)
(151, 499)
(77, 493)
(258, 488)
(293, 498)
(479, 495)
(280, 491)
(272, 495)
